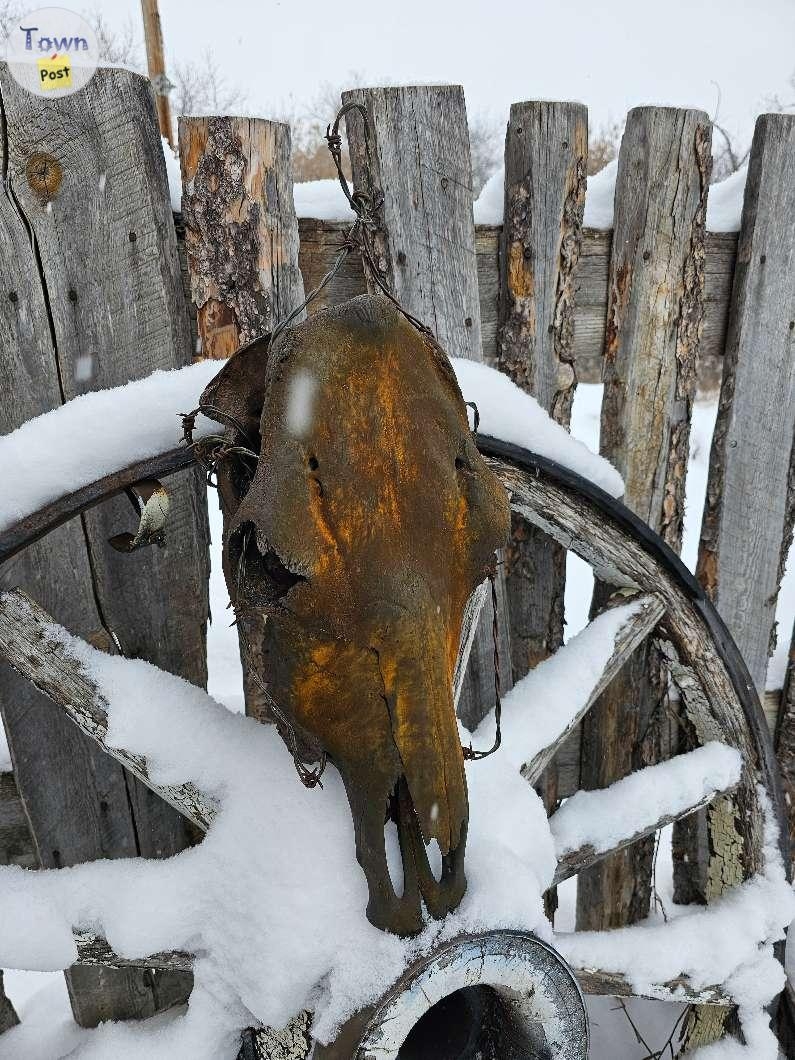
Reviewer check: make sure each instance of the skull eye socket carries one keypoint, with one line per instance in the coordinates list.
(313, 463)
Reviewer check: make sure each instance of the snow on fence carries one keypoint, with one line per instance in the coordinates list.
(539, 296)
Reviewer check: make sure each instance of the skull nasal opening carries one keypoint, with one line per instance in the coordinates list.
(261, 575)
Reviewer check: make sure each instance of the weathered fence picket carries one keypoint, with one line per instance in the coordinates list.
(747, 527)
(654, 319)
(419, 158)
(241, 242)
(88, 258)
(750, 504)
(241, 233)
(546, 152)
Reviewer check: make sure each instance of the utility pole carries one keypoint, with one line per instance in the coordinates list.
(156, 62)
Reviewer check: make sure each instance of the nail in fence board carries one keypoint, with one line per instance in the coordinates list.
(87, 247)
(425, 252)
(654, 323)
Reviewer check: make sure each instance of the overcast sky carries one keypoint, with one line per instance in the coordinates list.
(611, 54)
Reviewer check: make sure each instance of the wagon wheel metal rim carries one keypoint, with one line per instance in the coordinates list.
(623, 552)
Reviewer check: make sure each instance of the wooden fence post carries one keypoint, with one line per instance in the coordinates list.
(241, 240)
(425, 251)
(241, 232)
(546, 154)
(654, 320)
(89, 265)
(156, 65)
(750, 503)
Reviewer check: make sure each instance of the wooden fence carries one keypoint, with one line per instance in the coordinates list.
(538, 297)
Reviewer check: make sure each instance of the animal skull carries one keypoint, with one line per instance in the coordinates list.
(367, 524)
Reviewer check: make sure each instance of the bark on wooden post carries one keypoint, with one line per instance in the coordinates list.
(425, 250)
(93, 301)
(241, 233)
(750, 503)
(654, 320)
(241, 239)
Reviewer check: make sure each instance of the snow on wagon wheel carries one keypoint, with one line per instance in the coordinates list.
(505, 988)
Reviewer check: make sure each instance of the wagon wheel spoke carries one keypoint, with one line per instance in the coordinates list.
(643, 612)
(597, 981)
(694, 779)
(45, 655)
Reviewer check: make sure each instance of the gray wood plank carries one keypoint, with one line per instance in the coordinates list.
(87, 223)
(320, 241)
(16, 842)
(425, 249)
(654, 323)
(750, 503)
(426, 246)
(749, 508)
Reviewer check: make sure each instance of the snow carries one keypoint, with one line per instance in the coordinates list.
(602, 818)
(323, 200)
(730, 941)
(96, 434)
(785, 623)
(599, 197)
(174, 175)
(490, 204)
(508, 413)
(724, 202)
(271, 942)
(537, 709)
(73, 445)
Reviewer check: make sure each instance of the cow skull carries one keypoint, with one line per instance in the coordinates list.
(360, 533)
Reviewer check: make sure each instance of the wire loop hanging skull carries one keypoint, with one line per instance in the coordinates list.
(365, 525)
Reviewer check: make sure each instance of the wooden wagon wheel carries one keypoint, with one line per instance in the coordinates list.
(718, 698)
